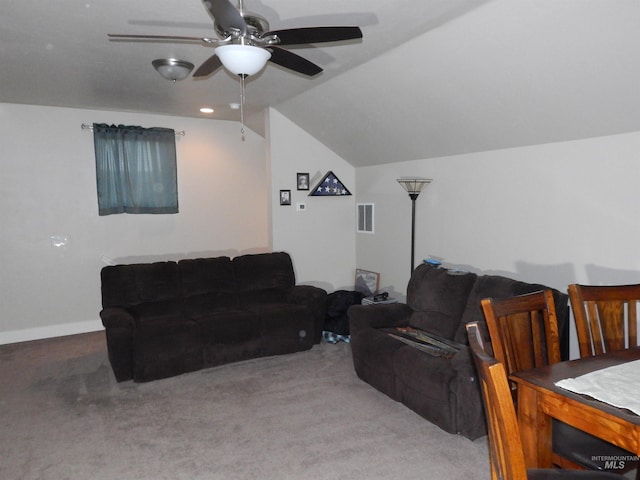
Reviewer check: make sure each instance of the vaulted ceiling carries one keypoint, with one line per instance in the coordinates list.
(430, 77)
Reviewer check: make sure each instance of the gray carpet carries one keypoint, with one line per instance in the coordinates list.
(299, 416)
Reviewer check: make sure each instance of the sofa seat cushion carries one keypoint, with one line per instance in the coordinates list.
(165, 349)
(167, 311)
(230, 336)
(232, 326)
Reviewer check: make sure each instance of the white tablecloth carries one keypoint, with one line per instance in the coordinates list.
(618, 385)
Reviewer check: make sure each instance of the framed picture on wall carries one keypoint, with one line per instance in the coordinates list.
(367, 282)
(302, 181)
(285, 197)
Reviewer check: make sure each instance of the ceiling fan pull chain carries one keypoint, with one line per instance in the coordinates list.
(242, 77)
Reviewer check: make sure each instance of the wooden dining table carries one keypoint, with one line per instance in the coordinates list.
(540, 400)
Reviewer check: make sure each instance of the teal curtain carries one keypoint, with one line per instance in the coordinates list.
(135, 169)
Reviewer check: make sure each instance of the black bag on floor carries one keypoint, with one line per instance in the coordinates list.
(338, 303)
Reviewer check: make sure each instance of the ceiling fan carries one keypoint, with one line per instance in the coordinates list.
(246, 44)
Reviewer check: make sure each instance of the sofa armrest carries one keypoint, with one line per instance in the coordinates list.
(113, 317)
(306, 295)
(378, 316)
(315, 299)
(119, 325)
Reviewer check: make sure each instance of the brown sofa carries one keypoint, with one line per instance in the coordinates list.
(442, 390)
(167, 318)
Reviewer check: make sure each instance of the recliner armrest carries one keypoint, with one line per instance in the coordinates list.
(378, 316)
(315, 298)
(306, 294)
(113, 317)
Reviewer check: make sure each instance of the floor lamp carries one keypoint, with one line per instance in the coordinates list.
(413, 186)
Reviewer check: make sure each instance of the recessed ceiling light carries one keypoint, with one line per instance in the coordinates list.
(206, 110)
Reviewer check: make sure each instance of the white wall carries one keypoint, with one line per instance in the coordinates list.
(48, 188)
(581, 198)
(555, 214)
(321, 239)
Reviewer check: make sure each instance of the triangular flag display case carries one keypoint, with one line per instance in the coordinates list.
(329, 186)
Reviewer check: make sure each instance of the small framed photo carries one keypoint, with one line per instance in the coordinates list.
(285, 197)
(367, 282)
(302, 181)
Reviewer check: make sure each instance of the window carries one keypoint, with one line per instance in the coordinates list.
(365, 217)
(135, 169)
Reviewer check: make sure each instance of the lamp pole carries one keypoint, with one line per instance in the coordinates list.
(413, 197)
(413, 186)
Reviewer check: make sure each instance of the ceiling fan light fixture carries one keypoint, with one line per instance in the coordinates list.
(243, 59)
(173, 69)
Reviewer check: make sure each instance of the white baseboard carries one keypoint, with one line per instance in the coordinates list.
(51, 331)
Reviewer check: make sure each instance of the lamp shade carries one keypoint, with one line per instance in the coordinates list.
(172, 69)
(413, 185)
(243, 59)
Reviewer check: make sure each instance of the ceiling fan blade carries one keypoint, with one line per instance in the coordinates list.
(226, 15)
(210, 65)
(299, 36)
(292, 61)
(163, 38)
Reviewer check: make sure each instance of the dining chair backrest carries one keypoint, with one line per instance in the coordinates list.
(523, 330)
(506, 455)
(606, 317)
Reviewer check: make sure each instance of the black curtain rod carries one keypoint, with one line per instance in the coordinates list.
(90, 127)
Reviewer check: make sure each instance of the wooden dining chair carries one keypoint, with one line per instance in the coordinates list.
(506, 455)
(606, 317)
(524, 335)
(523, 330)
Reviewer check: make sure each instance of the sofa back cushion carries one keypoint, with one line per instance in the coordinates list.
(208, 284)
(127, 285)
(496, 286)
(263, 277)
(438, 299)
